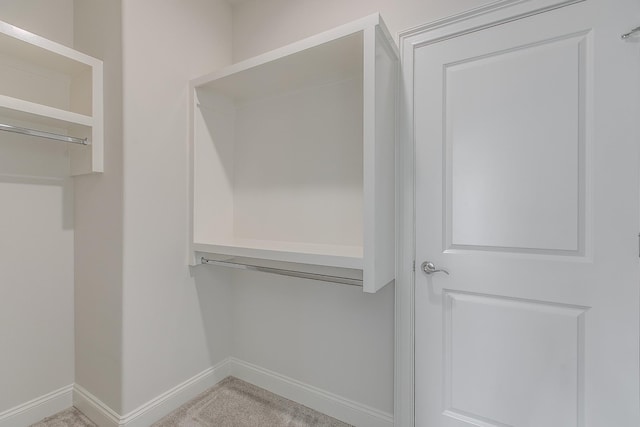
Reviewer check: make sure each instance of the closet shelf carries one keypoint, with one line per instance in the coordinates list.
(51, 89)
(31, 112)
(325, 58)
(38, 51)
(292, 156)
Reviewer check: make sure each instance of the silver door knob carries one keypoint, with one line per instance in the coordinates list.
(430, 268)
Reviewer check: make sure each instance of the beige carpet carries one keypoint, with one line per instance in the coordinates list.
(231, 403)
(235, 403)
(67, 418)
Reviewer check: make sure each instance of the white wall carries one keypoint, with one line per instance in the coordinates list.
(99, 218)
(331, 336)
(175, 325)
(36, 241)
(262, 25)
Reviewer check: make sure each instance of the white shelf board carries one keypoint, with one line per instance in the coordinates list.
(330, 56)
(304, 253)
(37, 50)
(37, 113)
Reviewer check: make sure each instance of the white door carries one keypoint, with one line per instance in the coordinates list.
(526, 163)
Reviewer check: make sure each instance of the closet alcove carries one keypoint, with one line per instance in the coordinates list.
(292, 159)
(50, 107)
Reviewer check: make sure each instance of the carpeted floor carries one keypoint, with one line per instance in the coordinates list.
(67, 418)
(231, 403)
(235, 403)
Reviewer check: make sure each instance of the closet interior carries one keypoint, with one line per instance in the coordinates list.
(292, 159)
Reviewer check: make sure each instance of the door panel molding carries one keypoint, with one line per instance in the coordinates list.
(556, 148)
(525, 323)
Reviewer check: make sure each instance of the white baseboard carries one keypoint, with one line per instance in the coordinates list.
(38, 409)
(333, 405)
(167, 402)
(93, 408)
(153, 410)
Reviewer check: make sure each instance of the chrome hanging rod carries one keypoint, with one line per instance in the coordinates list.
(42, 134)
(630, 33)
(282, 272)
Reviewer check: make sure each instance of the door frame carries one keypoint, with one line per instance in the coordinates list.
(493, 13)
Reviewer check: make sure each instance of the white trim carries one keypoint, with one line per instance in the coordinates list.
(328, 403)
(167, 402)
(100, 413)
(94, 408)
(486, 9)
(38, 408)
(494, 13)
(154, 409)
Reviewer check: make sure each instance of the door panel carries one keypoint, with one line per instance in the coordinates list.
(514, 175)
(526, 164)
(512, 362)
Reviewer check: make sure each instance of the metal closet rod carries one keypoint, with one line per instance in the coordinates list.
(42, 134)
(282, 272)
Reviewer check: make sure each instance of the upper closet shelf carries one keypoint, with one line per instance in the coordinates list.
(50, 88)
(331, 56)
(292, 155)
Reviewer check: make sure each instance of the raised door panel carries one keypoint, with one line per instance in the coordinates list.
(512, 362)
(515, 143)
